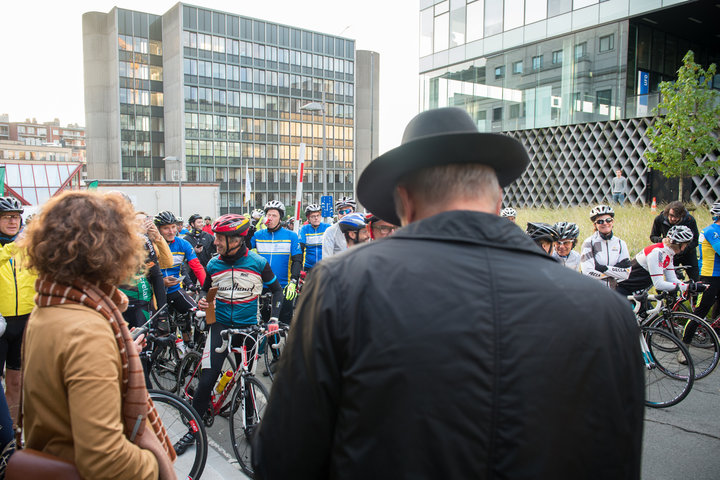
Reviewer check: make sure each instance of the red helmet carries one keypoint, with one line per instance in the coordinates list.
(231, 225)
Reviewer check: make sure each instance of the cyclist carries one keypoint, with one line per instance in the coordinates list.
(311, 236)
(201, 241)
(17, 293)
(180, 226)
(567, 239)
(603, 255)
(509, 213)
(676, 214)
(281, 248)
(239, 275)
(334, 240)
(354, 228)
(207, 227)
(543, 235)
(182, 252)
(378, 228)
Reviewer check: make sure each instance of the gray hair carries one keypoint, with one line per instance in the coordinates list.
(437, 185)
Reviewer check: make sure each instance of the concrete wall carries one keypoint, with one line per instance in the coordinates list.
(367, 111)
(155, 197)
(173, 91)
(102, 105)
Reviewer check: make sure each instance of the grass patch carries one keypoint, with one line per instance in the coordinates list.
(632, 223)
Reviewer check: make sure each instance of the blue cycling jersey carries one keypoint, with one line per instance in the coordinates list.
(181, 251)
(313, 238)
(277, 247)
(239, 286)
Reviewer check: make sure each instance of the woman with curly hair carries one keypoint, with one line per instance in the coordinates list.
(84, 396)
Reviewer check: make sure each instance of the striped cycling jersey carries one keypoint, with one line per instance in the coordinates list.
(709, 241)
(277, 247)
(313, 239)
(181, 251)
(239, 286)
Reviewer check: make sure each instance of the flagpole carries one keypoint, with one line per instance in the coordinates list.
(298, 194)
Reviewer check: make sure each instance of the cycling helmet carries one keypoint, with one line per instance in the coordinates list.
(345, 202)
(508, 212)
(680, 234)
(566, 230)
(165, 218)
(601, 210)
(10, 204)
(277, 205)
(231, 225)
(715, 210)
(352, 222)
(541, 231)
(312, 208)
(179, 220)
(194, 217)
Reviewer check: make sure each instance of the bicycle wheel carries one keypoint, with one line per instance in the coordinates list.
(274, 346)
(189, 376)
(248, 406)
(178, 417)
(704, 347)
(165, 364)
(667, 381)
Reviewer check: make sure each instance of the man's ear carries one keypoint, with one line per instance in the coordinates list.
(406, 210)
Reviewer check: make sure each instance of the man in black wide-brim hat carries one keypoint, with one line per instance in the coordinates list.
(455, 348)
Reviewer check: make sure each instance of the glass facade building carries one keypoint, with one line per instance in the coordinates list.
(524, 64)
(226, 95)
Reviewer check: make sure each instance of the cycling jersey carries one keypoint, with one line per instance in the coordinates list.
(239, 284)
(598, 251)
(312, 238)
(653, 266)
(710, 251)
(278, 247)
(182, 251)
(571, 261)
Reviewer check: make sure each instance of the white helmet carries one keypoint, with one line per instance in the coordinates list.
(277, 205)
(508, 212)
(601, 210)
(680, 234)
(715, 209)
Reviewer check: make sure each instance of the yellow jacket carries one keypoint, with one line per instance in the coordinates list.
(17, 284)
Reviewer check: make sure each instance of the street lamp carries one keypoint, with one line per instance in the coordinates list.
(180, 171)
(320, 107)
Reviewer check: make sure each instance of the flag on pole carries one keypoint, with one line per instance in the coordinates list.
(248, 187)
(2, 181)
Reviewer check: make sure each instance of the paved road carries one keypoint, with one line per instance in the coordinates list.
(681, 442)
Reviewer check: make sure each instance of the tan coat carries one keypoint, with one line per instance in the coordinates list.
(71, 392)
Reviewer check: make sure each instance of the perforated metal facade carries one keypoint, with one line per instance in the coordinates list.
(574, 164)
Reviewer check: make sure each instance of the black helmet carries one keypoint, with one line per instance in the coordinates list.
(194, 217)
(165, 218)
(541, 231)
(10, 204)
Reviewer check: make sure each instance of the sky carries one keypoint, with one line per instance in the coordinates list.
(42, 61)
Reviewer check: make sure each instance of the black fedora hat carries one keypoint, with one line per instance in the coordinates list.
(433, 138)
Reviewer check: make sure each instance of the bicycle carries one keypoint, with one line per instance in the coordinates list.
(704, 348)
(667, 381)
(178, 417)
(271, 356)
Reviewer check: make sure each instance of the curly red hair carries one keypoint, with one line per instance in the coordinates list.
(84, 235)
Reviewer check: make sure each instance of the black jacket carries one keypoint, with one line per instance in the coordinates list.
(660, 227)
(198, 237)
(455, 349)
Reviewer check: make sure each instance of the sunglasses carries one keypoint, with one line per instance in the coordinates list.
(345, 212)
(607, 220)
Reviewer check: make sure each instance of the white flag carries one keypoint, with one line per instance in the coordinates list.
(248, 187)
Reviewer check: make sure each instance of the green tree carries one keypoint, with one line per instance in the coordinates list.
(686, 124)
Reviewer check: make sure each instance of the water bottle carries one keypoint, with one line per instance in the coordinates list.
(227, 376)
(180, 345)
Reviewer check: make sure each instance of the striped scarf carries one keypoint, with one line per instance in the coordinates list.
(137, 407)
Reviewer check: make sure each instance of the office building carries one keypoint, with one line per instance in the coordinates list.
(220, 95)
(575, 80)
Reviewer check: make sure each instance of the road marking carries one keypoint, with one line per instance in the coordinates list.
(230, 458)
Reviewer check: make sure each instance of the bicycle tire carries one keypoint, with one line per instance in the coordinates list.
(177, 417)
(272, 355)
(188, 382)
(667, 382)
(240, 433)
(164, 367)
(704, 347)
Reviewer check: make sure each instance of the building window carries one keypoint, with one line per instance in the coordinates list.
(607, 43)
(517, 67)
(515, 110)
(497, 114)
(537, 62)
(500, 71)
(557, 56)
(580, 50)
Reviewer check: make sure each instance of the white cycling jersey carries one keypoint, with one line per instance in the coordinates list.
(657, 259)
(571, 261)
(597, 250)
